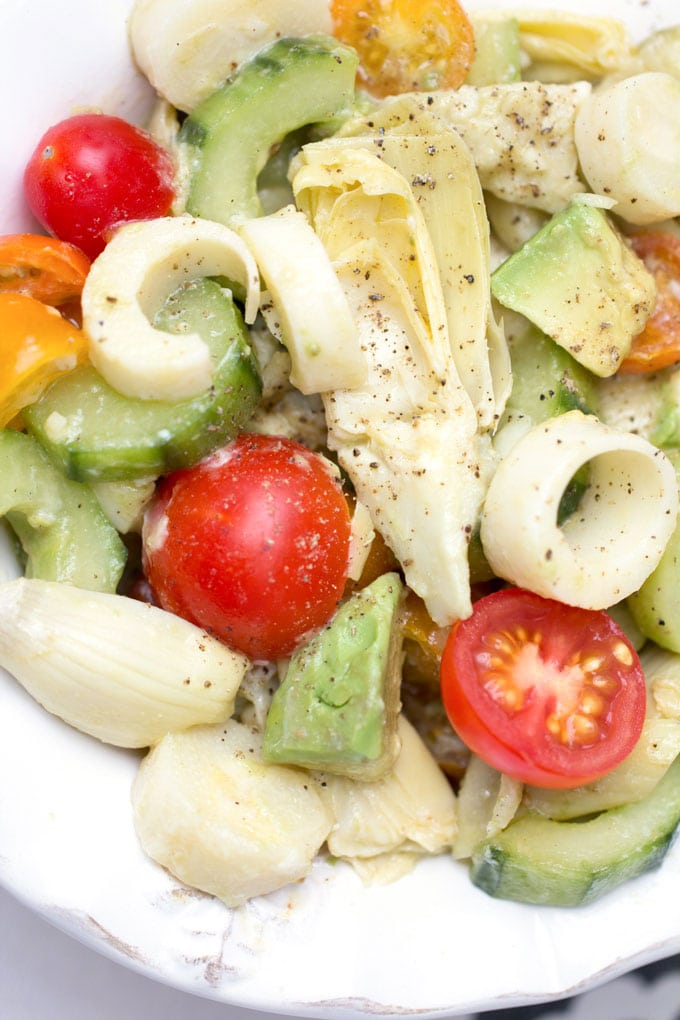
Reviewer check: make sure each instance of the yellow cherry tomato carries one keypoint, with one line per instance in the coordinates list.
(45, 268)
(406, 45)
(37, 345)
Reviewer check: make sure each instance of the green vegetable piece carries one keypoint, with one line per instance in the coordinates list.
(580, 282)
(546, 380)
(100, 435)
(337, 707)
(292, 83)
(59, 523)
(497, 51)
(564, 864)
(655, 608)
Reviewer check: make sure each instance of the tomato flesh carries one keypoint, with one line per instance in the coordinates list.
(252, 544)
(658, 345)
(550, 694)
(92, 172)
(406, 45)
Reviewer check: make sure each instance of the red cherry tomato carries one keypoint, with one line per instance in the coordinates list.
(90, 173)
(252, 544)
(549, 694)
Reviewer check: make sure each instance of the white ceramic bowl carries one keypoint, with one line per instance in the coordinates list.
(431, 944)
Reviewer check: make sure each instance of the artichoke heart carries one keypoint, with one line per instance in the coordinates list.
(440, 168)
(408, 436)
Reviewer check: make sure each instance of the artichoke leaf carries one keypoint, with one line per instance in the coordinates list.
(592, 46)
(441, 171)
(520, 134)
(408, 437)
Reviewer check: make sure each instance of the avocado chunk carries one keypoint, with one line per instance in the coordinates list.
(564, 864)
(229, 136)
(99, 435)
(655, 607)
(338, 704)
(581, 283)
(59, 523)
(546, 380)
(497, 51)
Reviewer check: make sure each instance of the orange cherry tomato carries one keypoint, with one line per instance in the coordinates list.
(44, 268)
(550, 694)
(406, 45)
(658, 345)
(36, 345)
(425, 640)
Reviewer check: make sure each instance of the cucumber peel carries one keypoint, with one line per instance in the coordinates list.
(565, 864)
(229, 136)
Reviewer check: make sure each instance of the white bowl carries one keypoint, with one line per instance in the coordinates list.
(430, 944)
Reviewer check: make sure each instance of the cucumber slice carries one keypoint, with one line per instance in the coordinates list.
(292, 83)
(97, 434)
(564, 864)
(59, 523)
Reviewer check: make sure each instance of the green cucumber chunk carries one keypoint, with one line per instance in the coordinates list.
(98, 434)
(564, 864)
(655, 607)
(229, 136)
(59, 523)
(338, 705)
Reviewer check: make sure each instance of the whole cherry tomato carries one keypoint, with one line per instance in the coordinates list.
(252, 544)
(91, 172)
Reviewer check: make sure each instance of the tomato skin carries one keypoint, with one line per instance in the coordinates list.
(90, 173)
(658, 345)
(252, 544)
(38, 345)
(550, 694)
(49, 270)
(406, 45)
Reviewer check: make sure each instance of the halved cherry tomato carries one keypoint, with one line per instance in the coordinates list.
(658, 345)
(550, 694)
(406, 45)
(252, 544)
(92, 172)
(45, 268)
(36, 346)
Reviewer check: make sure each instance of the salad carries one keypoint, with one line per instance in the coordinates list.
(339, 431)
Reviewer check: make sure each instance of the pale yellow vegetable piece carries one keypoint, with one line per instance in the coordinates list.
(520, 134)
(411, 810)
(208, 809)
(307, 306)
(628, 141)
(139, 268)
(118, 669)
(592, 46)
(487, 803)
(439, 166)
(188, 49)
(408, 437)
(615, 538)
